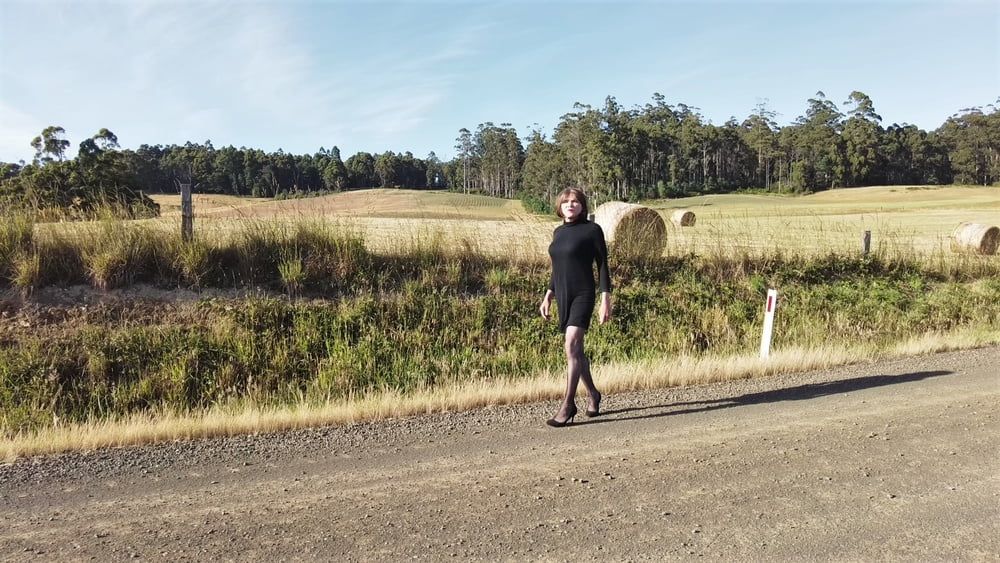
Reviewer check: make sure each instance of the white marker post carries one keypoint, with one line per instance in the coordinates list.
(765, 337)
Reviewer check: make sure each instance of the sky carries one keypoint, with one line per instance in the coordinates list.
(407, 75)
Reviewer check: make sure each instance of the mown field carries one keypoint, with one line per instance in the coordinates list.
(386, 303)
(902, 219)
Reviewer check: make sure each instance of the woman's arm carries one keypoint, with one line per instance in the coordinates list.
(546, 303)
(604, 313)
(601, 257)
(603, 275)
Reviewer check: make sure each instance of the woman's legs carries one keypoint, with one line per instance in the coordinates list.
(577, 369)
(594, 402)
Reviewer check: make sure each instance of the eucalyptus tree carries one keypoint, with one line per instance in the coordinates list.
(335, 175)
(818, 161)
(499, 155)
(146, 164)
(544, 172)
(361, 170)
(643, 165)
(618, 149)
(732, 161)
(760, 132)
(435, 175)
(973, 140)
(228, 171)
(203, 167)
(913, 156)
(282, 172)
(102, 171)
(307, 175)
(897, 150)
(106, 140)
(655, 131)
(579, 135)
(388, 169)
(50, 145)
(254, 161)
(178, 163)
(412, 171)
(862, 136)
(465, 151)
(691, 155)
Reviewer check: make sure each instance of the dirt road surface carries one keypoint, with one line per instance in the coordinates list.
(895, 460)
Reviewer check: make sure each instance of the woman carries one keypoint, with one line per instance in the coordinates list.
(576, 246)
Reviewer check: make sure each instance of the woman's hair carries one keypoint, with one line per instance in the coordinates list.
(580, 196)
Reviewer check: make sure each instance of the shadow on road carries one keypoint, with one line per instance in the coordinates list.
(798, 393)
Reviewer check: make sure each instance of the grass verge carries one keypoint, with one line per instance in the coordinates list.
(613, 378)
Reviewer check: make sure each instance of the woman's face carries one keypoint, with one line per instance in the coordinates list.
(571, 208)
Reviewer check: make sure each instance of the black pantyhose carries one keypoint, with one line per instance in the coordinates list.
(578, 369)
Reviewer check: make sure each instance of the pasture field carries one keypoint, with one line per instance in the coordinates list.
(902, 219)
(387, 219)
(206, 203)
(372, 203)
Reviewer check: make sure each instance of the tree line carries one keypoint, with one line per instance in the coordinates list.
(663, 150)
(654, 150)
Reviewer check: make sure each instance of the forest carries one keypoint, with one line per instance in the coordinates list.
(651, 151)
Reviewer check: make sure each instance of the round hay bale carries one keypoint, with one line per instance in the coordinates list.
(683, 218)
(632, 229)
(976, 237)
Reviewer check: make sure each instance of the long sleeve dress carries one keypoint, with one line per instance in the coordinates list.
(576, 247)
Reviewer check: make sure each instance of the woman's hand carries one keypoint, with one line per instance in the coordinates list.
(604, 313)
(546, 303)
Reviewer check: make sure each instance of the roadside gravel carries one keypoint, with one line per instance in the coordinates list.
(892, 460)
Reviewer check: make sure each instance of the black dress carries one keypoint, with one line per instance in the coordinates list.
(575, 248)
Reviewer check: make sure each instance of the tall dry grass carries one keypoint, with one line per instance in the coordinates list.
(16, 235)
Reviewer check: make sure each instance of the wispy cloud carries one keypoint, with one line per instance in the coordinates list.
(235, 62)
(406, 90)
(231, 71)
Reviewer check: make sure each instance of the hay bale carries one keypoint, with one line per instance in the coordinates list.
(632, 229)
(975, 237)
(683, 218)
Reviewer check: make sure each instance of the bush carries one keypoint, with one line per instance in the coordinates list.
(536, 204)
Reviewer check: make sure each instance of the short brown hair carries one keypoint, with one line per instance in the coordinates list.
(580, 196)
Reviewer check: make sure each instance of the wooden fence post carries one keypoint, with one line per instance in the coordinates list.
(866, 242)
(187, 216)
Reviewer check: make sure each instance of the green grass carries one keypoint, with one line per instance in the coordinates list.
(428, 317)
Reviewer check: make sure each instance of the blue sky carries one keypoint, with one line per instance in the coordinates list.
(399, 76)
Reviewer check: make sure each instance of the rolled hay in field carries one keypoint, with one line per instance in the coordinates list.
(632, 229)
(975, 237)
(683, 218)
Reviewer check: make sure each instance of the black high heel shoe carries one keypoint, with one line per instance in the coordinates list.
(596, 411)
(560, 423)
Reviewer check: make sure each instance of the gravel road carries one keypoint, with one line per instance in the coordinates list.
(891, 460)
